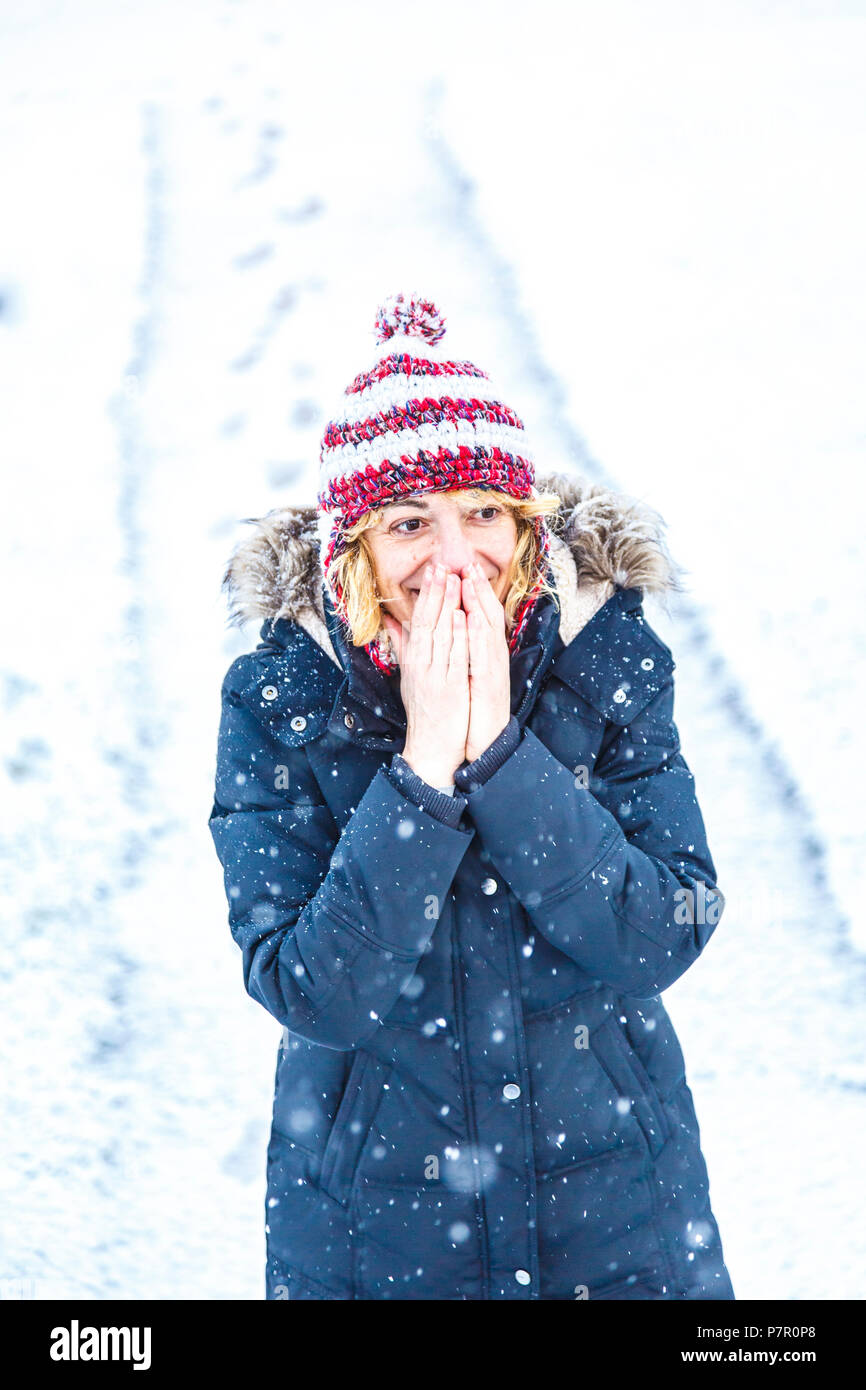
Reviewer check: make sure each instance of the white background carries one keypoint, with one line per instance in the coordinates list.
(647, 222)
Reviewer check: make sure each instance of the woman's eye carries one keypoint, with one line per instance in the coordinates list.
(411, 520)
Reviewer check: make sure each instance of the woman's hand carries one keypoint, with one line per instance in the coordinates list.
(489, 663)
(434, 677)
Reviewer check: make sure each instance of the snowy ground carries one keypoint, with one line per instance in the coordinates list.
(647, 221)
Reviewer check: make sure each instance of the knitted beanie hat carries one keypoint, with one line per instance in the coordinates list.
(418, 421)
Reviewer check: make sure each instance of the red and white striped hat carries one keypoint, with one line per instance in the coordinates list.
(418, 421)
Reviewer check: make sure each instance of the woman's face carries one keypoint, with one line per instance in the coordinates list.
(454, 527)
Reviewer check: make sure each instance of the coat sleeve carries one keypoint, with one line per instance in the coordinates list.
(331, 926)
(617, 875)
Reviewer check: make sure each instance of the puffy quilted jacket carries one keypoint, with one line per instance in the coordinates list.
(479, 1093)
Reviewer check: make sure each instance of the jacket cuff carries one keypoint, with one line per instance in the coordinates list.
(472, 775)
(438, 804)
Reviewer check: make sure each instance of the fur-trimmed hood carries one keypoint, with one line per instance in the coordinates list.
(600, 540)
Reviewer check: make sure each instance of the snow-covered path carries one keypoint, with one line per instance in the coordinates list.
(195, 215)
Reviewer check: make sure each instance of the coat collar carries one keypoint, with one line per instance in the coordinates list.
(606, 551)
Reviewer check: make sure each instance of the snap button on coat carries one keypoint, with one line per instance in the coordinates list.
(349, 721)
(489, 886)
(619, 696)
(511, 1092)
(299, 723)
(647, 664)
(270, 692)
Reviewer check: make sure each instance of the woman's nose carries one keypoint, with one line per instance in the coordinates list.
(454, 563)
(453, 552)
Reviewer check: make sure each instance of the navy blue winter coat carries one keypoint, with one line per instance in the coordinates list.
(478, 1092)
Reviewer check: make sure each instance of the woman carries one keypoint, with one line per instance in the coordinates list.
(463, 857)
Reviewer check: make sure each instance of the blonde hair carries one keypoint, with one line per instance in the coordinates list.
(354, 570)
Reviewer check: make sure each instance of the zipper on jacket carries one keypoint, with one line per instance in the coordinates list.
(471, 1126)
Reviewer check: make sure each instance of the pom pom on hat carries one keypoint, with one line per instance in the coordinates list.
(413, 317)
